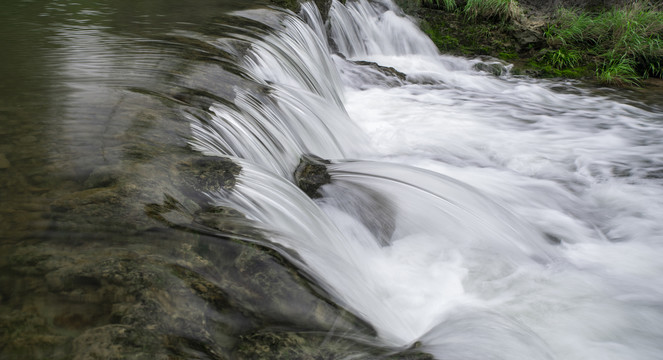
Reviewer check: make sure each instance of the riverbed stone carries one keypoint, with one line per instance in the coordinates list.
(493, 68)
(210, 173)
(311, 174)
(387, 70)
(179, 287)
(282, 345)
(157, 294)
(4, 163)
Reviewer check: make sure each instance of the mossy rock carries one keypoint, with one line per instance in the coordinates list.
(493, 68)
(276, 345)
(311, 174)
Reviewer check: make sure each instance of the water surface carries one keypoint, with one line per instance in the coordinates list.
(148, 205)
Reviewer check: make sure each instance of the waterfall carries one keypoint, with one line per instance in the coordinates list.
(442, 229)
(360, 28)
(298, 107)
(485, 217)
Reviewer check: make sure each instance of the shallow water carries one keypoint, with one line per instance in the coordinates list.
(474, 215)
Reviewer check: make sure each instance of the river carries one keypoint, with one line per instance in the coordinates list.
(149, 207)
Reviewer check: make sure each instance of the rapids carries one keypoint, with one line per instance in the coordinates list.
(484, 217)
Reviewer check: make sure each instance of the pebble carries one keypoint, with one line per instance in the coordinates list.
(4, 163)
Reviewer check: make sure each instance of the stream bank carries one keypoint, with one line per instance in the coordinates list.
(609, 42)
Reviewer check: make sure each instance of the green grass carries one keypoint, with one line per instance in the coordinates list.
(619, 46)
(507, 55)
(563, 58)
(618, 70)
(502, 10)
(449, 5)
(626, 43)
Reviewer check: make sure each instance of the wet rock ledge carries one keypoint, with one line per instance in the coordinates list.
(140, 265)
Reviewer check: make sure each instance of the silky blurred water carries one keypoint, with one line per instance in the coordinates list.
(531, 234)
(480, 216)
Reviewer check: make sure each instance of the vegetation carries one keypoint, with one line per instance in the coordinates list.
(616, 46)
(453, 35)
(449, 5)
(625, 44)
(563, 58)
(501, 10)
(618, 70)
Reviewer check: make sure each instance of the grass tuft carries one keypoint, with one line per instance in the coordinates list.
(618, 70)
(449, 5)
(620, 46)
(626, 42)
(501, 10)
(563, 58)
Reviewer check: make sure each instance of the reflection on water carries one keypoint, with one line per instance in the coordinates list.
(67, 68)
(95, 181)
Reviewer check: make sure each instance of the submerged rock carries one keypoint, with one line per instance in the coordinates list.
(494, 68)
(367, 74)
(386, 70)
(209, 173)
(164, 295)
(276, 345)
(311, 174)
(373, 209)
(4, 163)
(138, 264)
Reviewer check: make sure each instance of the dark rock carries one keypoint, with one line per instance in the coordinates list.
(386, 70)
(103, 176)
(368, 74)
(375, 211)
(528, 35)
(494, 68)
(553, 239)
(227, 221)
(4, 163)
(210, 173)
(275, 345)
(170, 295)
(311, 173)
(323, 7)
(116, 342)
(294, 5)
(136, 265)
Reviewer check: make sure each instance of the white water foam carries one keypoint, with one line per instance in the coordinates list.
(573, 165)
(298, 107)
(526, 224)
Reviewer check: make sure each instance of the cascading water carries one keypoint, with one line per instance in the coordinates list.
(497, 218)
(359, 29)
(299, 110)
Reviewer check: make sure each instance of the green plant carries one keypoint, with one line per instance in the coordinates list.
(617, 70)
(563, 58)
(571, 27)
(655, 68)
(502, 10)
(449, 5)
(507, 55)
(623, 41)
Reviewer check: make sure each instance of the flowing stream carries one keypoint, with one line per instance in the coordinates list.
(523, 216)
(475, 216)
